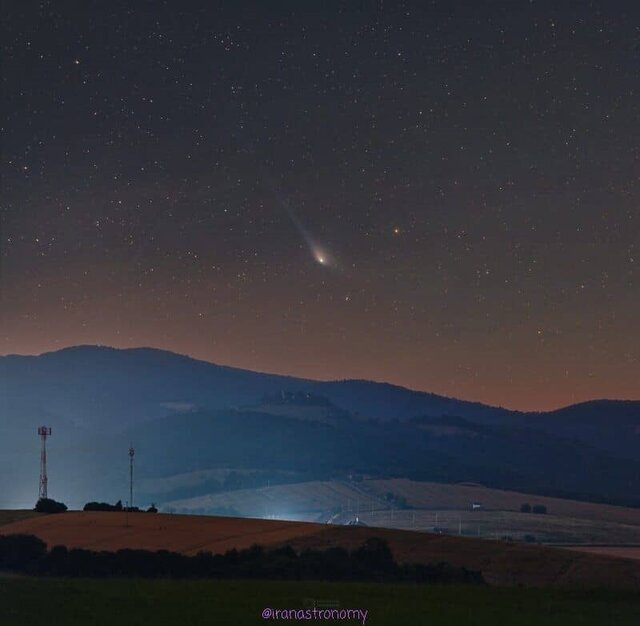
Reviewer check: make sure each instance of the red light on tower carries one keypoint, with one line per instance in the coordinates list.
(43, 432)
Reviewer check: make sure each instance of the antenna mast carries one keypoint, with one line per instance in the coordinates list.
(132, 453)
(43, 432)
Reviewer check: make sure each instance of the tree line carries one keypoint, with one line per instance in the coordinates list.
(373, 561)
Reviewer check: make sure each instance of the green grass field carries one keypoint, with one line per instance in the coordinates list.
(49, 602)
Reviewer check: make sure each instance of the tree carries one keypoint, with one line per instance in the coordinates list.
(47, 505)
(540, 509)
(102, 506)
(18, 552)
(525, 508)
(374, 555)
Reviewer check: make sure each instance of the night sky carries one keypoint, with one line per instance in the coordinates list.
(443, 195)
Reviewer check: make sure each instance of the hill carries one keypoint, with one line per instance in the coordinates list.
(106, 388)
(186, 416)
(432, 449)
(318, 498)
(186, 534)
(8, 517)
(425, 495)
(500, 562)
(109, 388)
(425, 506)
(612, 425)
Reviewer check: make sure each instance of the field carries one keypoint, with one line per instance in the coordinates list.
(624, 552)
(502, 563)
(425, 506)
(53, 602)
(498, 524)
(426, 495)
(180, 533)
(308, 501)
(8, 517)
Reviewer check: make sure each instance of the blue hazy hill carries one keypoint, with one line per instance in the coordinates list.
(100, 399)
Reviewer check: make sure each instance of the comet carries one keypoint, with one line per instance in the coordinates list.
(320, 255)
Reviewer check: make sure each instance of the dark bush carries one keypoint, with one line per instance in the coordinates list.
(47, 505)
(21, 552)
(374, 556)
(103, 506)
(440, 573)
(525, 508)
(55, 562)
(540, 509)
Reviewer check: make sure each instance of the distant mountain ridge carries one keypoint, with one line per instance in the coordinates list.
(109, 389)
(193, 415)
(150, 378)
(192, 379)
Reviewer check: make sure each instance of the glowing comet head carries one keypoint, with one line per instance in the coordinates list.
(320, 256)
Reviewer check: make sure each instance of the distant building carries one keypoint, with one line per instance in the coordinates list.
(476, 506)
